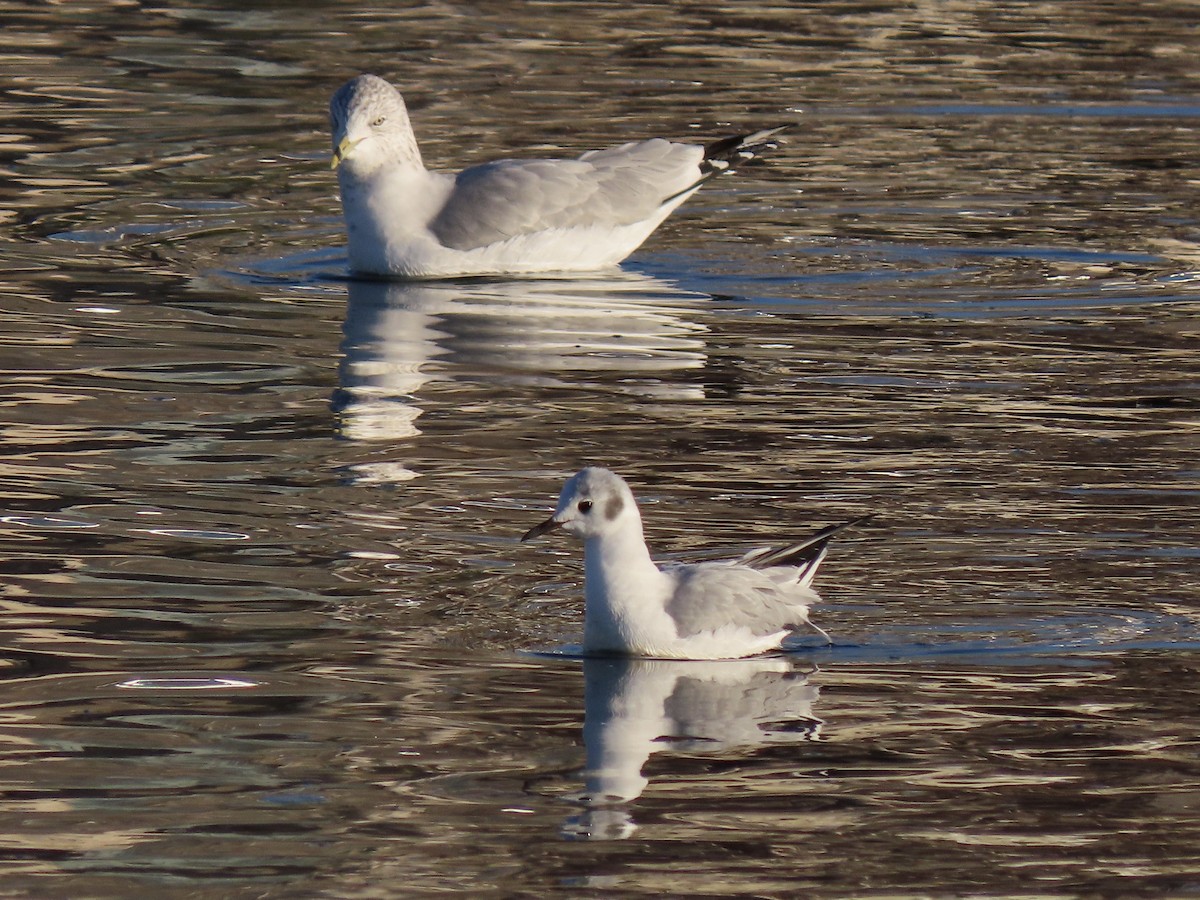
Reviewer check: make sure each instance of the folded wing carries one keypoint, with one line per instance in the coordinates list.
(603, 188)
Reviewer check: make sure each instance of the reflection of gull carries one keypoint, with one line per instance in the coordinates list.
(399, 336)
(637, 707)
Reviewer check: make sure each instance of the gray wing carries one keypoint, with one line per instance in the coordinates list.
(612, 187)
(711, 595)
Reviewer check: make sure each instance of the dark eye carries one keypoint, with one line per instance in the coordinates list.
(585, 506)
(379, 121)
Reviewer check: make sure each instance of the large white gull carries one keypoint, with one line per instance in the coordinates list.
(510, 217)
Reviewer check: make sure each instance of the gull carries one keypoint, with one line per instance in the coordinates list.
(708, 610)
(510, 217)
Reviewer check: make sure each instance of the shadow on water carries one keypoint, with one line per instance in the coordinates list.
(1040, 639)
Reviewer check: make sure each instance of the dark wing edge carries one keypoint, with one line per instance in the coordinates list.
(806, 555)
(730, 152)
(726, 154)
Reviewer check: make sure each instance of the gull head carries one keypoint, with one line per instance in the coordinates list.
(370, 127)
(594, 502)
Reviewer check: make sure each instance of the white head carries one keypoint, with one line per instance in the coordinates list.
(370, 127)
(594, 502)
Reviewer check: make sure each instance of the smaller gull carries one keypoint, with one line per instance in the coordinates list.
(708, 610)
(510, 217)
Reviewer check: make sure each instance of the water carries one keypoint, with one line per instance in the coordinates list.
(269, 631)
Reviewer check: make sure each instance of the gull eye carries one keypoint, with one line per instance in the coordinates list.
(379, 121)
(585, 506)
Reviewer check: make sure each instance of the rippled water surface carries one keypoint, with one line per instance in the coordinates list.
(268, 628)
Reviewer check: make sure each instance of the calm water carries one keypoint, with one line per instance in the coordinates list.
(268, 628)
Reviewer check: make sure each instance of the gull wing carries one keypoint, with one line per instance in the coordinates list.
(711, 596)
(603, 188)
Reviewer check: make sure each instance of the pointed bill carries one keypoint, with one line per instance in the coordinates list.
(538, 530)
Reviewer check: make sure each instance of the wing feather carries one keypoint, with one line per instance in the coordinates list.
(709, 596)
(608, 188)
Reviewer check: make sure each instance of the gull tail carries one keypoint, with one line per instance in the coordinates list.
(806, 556)
(728, 153)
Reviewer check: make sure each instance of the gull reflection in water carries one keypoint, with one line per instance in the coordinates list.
(400, 336)
(638, 707)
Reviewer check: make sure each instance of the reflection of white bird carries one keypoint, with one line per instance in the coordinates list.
(506, 217)
(400, 336)
(637, 707)
(710, 610)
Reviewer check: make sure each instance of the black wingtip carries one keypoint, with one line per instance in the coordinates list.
(730, 152)
(807, 552)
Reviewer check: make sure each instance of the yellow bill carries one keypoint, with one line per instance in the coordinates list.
(341, 152)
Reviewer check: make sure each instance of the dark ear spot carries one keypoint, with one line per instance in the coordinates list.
(613, 506)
